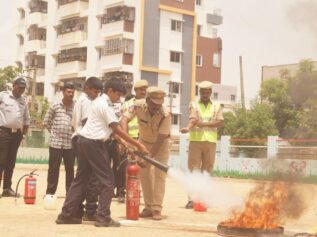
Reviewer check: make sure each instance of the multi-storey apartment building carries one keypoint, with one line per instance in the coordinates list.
(171, 43)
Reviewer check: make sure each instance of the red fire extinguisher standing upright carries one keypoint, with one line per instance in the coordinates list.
(29, 187)
(30, 190)
(133, 191)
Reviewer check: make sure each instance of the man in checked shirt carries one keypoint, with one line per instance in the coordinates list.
(58, 121)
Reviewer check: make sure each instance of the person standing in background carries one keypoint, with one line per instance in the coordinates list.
(14, 123)
(119, 165)
(205, 116)
(58, 121)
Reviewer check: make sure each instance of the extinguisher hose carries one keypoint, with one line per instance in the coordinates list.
(17, 187)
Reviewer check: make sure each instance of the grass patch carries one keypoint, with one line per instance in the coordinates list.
(272, 176)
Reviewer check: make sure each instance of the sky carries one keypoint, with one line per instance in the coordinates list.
(263, 32)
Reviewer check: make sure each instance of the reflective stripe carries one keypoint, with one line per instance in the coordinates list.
(206, 114)
(133, 125)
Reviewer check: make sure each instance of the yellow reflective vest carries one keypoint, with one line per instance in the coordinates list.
(133, 126)
(205, 114)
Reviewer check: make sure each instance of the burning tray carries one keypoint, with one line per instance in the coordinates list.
(248, 232)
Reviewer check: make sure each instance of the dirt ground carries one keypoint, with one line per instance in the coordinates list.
(20, 220)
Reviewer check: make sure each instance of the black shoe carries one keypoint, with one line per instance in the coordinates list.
(189, 205)
(121, 199)
(106, 222)
(88, 217)
(67, 220)
(8, 192)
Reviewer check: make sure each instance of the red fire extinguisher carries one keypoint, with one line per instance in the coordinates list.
(29, 188)
(133, 191)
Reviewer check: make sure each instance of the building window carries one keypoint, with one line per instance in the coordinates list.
(99, 53)
(199, 60)
(198, 30)
(175, 119)
(233, 98)
(22, 14)
(176, 25)
(118, 45)
(216, 60)
(175, 57)
(174, 88)
(198, 2)
(21, 39)
(215, 96)
(214, 32)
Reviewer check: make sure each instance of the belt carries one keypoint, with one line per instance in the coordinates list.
(12, 130)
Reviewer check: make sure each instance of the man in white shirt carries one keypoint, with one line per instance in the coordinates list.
(92, 89)
(93, 158)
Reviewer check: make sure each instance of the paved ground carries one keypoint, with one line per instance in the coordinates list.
(20, 220)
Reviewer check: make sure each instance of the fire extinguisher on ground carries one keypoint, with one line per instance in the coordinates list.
(29, 188)
(132, 191)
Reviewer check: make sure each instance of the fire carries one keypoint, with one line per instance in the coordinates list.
(263, 207)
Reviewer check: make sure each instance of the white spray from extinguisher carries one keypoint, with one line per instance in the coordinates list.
(200, 186)
(203, 188)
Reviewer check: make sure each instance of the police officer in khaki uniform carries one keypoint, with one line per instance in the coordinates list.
(14, 123)
(119, 165)
(204, 119)
(154, 121)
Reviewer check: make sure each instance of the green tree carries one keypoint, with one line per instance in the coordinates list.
(305, 65)
(258, 122)
(275, 92)
(7, 75)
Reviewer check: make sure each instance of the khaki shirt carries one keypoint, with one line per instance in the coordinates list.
(150, 126)
(14, 112)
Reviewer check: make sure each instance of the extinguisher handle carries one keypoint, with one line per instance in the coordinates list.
(33, 173)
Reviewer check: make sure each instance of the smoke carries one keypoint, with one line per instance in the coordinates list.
(201, 187)
(302, 15)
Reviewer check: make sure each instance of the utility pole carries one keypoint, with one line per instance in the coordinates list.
(241, 83)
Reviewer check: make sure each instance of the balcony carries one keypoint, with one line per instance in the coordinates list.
(111, 61)
(34, 45)
(114, 28)
(72, 8)
(75, 37)
(118, 19)
(71, 67)
(35, 61)
(37, 18)
(214, 18)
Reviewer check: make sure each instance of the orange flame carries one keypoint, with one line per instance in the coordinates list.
(262, 208)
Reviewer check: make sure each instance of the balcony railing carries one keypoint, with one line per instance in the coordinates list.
(72, 8)
(33, 60)
(74, 54)
(38, 6)
(64, 2)
(118, 13)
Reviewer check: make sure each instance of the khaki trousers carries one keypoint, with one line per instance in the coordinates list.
(201, 156)
(153, 179)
